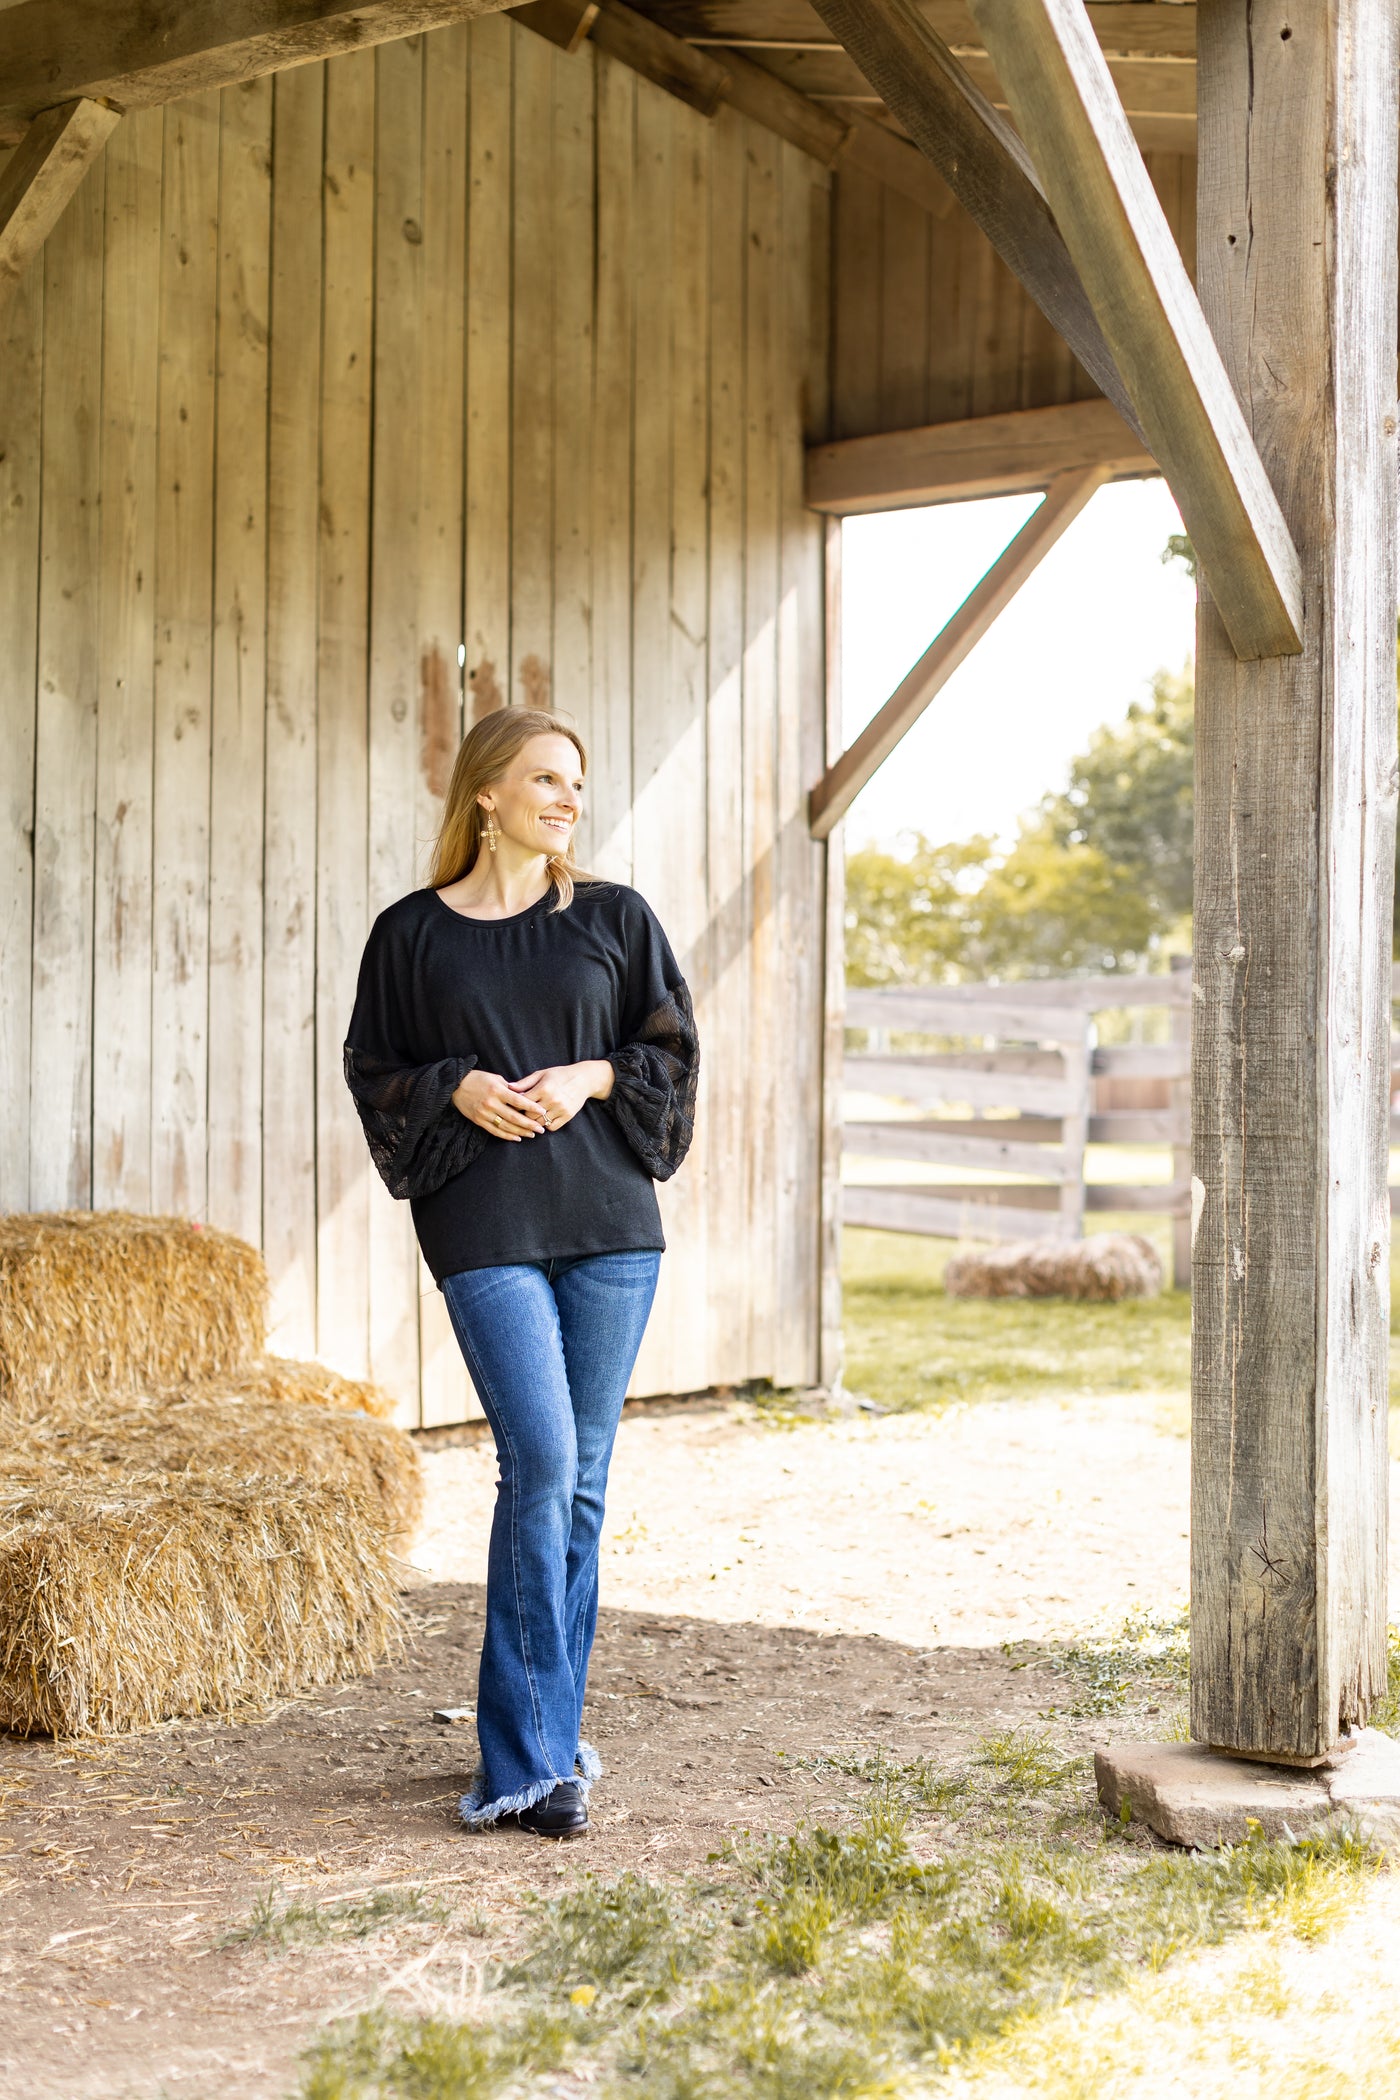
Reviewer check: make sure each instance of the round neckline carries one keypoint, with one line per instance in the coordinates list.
(513, 918)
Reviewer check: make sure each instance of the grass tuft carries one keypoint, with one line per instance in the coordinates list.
(273, 1924)
(1112, 1669)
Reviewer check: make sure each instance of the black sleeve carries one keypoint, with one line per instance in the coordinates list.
(417, 1139)
(657, 1068)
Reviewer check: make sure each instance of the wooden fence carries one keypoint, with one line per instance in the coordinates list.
(1028, 1053)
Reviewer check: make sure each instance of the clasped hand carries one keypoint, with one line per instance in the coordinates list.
(523, 1108)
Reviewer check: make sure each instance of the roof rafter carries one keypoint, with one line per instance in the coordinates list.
(54, 51)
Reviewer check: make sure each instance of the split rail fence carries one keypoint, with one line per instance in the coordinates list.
(1028, 1053)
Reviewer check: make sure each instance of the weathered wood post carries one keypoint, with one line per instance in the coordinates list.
(1295, 786)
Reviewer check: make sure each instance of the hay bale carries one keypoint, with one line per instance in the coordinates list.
(306, 1384)
(1106, 1266)
(128, 1604)
(97, 1303)
(239, 1440)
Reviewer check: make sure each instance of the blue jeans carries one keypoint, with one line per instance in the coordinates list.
(550, 1347)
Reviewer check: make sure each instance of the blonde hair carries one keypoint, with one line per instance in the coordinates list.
(489, 747)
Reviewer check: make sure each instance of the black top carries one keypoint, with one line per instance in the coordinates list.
(440, 993)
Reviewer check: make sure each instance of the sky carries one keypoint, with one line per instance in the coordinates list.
(1075, 647)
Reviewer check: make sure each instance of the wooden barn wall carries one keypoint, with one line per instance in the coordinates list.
(465, 345)
(929, 325)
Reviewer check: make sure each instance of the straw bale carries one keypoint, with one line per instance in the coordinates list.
(1106, 1265)
(307, 1384)
(241, 1440)
(127, 1604)
(95, 1303)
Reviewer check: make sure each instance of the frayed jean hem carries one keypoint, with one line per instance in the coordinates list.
(477, 1813)
(588, 1763)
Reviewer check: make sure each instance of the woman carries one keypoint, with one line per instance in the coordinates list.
(523, 1058)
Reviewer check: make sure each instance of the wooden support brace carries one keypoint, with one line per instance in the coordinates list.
(839, 786)
(1066, 106)
(41, 176)
(982, 161)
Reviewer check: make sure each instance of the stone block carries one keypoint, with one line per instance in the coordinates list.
(1197, 1797)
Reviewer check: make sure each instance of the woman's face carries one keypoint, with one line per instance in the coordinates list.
(537, 800)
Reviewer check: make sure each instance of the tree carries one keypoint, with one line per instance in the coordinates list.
(1131, 796)
(1054, 906)
(1098, 875)
(913, 921)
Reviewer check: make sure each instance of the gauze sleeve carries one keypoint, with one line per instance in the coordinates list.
(417, 1139)
(657, 1066)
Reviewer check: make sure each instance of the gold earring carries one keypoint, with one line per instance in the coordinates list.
(490, 831)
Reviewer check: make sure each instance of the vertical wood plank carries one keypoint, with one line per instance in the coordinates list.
(394, 733)
(856, 306)
(289, 837)
(832, 1340)
(571, 129)
(904, 311)
(532, 376)
(239, 663)
(670, 717)
(122, 1106)
(342, 671)
(656, 263)
(65, 771)
(762, 577)
(801, 746)
(1295, 800)
(184, 620)
(21, 360)
(724, 1012)
(488, 502)
(606, 838)
(996, 369)
(445, 1390)
(951, 342)
(442, 433)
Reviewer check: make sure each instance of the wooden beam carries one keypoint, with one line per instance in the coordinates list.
(1125, 28)
(672, 63)
(982, 161)
(54, 51)
(1062, 95)
(980, 456)
(1295, 805)
(840, 784)
(41, 176)
(658, 56)
(562, 22)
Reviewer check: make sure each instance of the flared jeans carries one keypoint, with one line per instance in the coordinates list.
(550, 1347)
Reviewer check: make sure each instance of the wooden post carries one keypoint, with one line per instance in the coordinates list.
(1179, 1022)
(1294, 827)
(1074, 1128)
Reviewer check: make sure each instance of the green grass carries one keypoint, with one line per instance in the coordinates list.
(843, 1964)
(909, 1347)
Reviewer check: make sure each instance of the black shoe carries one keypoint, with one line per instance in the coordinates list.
(562, 1814)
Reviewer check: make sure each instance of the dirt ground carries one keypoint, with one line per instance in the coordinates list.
(769, 1591)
